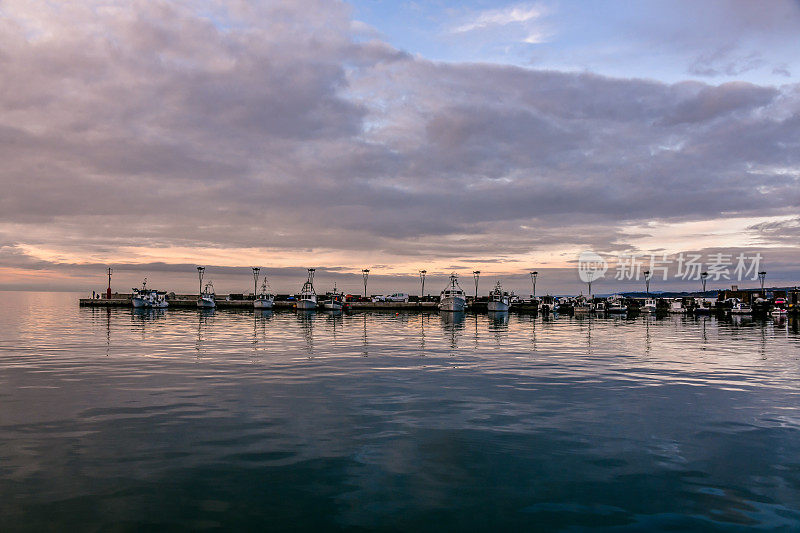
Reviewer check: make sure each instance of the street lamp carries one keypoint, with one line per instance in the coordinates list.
(200, 273)
(703, 278)
(534, 275)
(256, 271)
(476, 274)
(590, 275)
(108, 290)
(647, 277)
(761, 276)
(365, 275)
(422, 279)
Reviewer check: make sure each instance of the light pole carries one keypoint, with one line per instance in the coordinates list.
(422, 279)
(590, 275)
(476, 274)
(647, 281)
(108, 290)
(761, 277)
(534, 275)
(256, 271)
(703, 278)
(365, 275)
(200, 272)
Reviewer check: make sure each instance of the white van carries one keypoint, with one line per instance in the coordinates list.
(397, 297)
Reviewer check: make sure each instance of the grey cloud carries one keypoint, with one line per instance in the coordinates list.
(270, 126)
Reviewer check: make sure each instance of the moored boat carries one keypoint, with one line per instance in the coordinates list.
(307, 299)
(616, 305)
(264, 299)
(649, 306)
(452, 298)
(739, 307)
(334, 301)
(498, 300)
(207, 298)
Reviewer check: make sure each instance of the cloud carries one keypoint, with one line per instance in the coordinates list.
(251, 132)
(501, 17)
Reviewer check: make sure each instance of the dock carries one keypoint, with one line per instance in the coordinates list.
(189, 301)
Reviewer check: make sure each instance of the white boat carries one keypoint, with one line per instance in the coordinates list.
(740, 308)
(498, 300)
(307, 299)
(616, 305)
(140, 296)
(207, 298)
(264, 299)
(452, 298)
(334, 301)
(581, 306)
(649, 306)
(149, 298)
(676, 307)
(157, 300)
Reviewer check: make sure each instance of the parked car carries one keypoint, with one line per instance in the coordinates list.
(397, 297)
(379, 298)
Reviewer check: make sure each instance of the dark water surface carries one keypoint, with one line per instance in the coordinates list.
(112, 419)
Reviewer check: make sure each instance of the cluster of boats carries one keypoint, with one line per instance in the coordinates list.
(149, 298)
(453, 299)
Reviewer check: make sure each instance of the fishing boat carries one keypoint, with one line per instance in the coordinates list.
(145, 298)
(616, 305)
(139, 297)
(207, 298)
(738, 307)
(334, 300)
(778, 312)
(452, 298)
(581, 306)
(307, 299)
(649, 306)
(676, 307)
(264, 299)
(498, 300)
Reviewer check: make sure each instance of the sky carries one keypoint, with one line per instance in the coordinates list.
(155, 136)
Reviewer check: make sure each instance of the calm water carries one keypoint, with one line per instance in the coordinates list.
(112, 419)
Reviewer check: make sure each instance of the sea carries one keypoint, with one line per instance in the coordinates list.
(114, 419)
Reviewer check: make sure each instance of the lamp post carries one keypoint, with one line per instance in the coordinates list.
(703, 278)
(422, 279)
(108, 290)
(200, 272)
(534, 275)
(647, 277)
(365, 275)
(590, 275)
(476, 274)
(256, 271)
(761, 276)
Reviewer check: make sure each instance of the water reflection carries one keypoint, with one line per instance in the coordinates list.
(452, 323)
(701, 412)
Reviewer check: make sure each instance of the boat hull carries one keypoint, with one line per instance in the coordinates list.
(333, 306)
(206, 303)
(306, 304)
(262, 304)
(452, 304)
(496, 306)
(138, 302)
